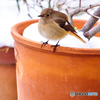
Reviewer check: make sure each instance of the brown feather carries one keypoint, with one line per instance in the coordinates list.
(61, 22)
(48, 25)
(69, 27)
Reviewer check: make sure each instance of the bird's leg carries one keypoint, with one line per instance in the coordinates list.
(44, 43)
(55, 46)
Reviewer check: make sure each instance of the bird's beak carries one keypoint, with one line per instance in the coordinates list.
(40, 15)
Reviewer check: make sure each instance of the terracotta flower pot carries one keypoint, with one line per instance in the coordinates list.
(8, 90)
(44, 75)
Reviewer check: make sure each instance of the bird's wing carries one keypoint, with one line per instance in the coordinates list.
(67, 26)
(64, 24)
(61, 22)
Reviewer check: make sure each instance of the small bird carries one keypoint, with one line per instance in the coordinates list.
(54, 25)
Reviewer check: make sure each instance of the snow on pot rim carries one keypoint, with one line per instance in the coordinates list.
(17, 32)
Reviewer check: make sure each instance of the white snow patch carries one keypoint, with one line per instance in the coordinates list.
(9, 16)
(31, 32)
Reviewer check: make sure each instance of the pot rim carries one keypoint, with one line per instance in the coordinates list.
(17, 31)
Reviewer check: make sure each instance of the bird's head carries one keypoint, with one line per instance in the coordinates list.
(47, 15)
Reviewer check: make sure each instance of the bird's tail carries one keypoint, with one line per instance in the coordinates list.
(74, 34)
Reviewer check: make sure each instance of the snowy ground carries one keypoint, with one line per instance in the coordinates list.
(9, 16)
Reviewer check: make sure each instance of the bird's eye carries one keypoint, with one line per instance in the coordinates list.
(47, 15)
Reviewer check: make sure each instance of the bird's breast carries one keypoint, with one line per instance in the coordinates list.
(51, 31)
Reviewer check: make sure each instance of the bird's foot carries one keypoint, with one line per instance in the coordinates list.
(44, 43)
(55, 46)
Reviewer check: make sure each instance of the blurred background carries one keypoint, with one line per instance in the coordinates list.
(14, 11)
(12, 8)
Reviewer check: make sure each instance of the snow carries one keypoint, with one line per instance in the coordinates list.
(31, 32)
(9, 16)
